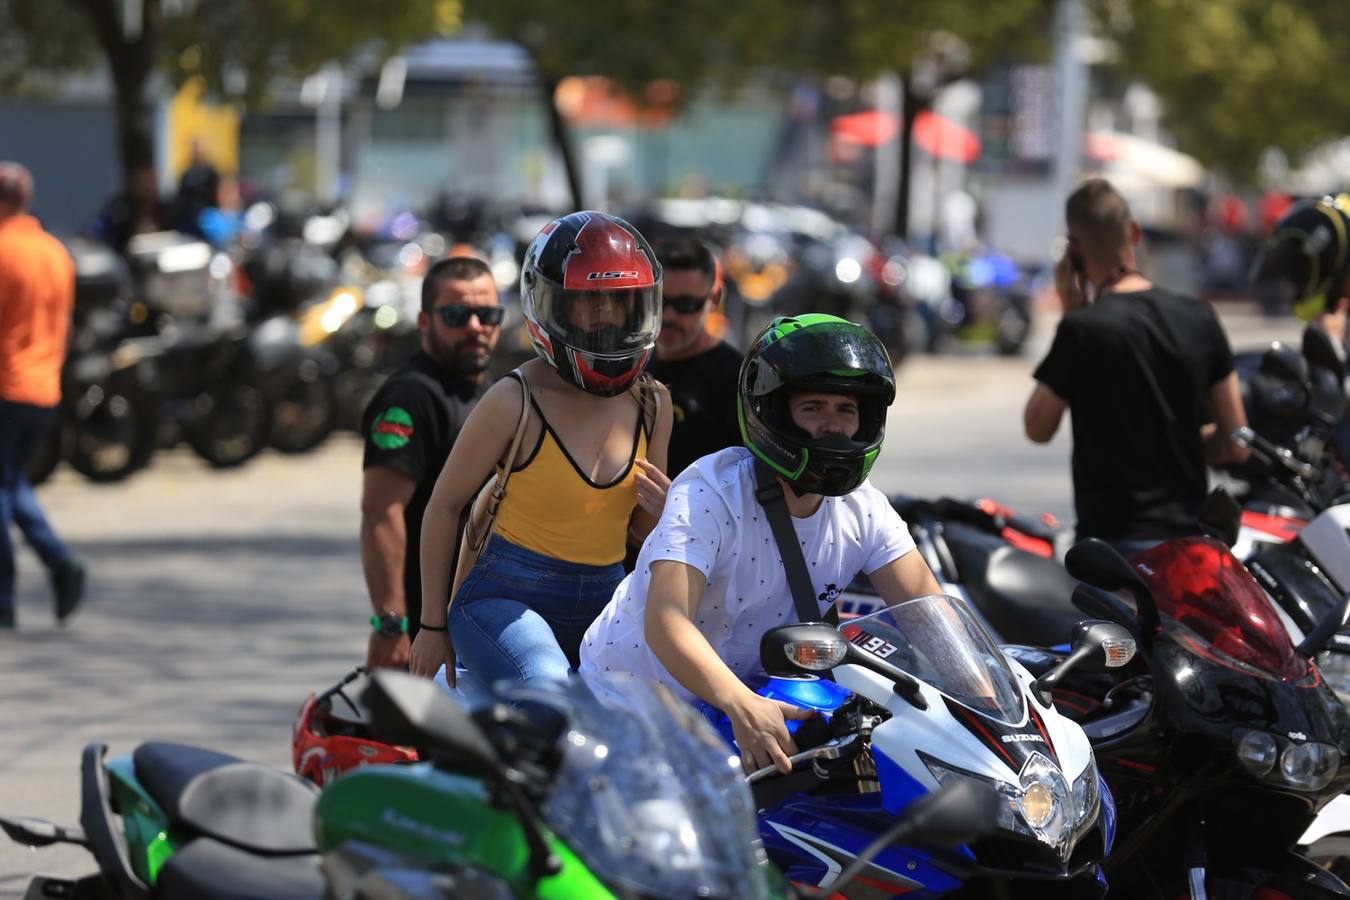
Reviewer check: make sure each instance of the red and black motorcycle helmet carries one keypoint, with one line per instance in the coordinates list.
(590, 291)
(332, 736)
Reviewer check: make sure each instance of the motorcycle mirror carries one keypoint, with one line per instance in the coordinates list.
(405, 709)
(1221, 516)
(790, 651)
(1097, 562)
(1285, 363)
(1097, 647)
(1325, 630)
(955, 815)
(794, 650)
(1319, 351)
(40, 833)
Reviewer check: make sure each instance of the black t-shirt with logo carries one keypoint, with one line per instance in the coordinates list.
(1136, 369)
(410, 425)
(703, 396)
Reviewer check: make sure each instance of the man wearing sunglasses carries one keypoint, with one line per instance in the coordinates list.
(699, 368)
(409, 428)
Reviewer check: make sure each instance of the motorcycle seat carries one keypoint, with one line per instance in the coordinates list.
(244, 804)
(207, 869)
(1026, 598)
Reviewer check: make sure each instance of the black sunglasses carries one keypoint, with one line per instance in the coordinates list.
(456, 315)
(684, 305)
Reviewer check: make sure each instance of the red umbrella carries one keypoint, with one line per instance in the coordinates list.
(944, 138)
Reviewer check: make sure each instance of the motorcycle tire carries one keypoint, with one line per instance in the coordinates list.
(231, 426)
(111, 436)
(304, 416)
(1012, 329)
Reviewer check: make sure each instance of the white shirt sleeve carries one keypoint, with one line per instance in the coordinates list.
(690, 528)
(890, 537)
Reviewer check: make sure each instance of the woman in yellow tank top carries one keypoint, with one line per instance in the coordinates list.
(588, 477)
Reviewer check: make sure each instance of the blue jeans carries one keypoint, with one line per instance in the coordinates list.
(21, 427)
(520, 615)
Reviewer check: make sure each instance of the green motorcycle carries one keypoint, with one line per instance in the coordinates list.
(612, 789)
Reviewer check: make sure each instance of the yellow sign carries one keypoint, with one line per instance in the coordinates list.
(200, 130)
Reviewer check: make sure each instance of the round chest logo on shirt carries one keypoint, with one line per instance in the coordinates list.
(392, 429)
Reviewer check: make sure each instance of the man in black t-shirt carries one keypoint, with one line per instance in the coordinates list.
(409, 428)
(1142, 368)
(699, 368)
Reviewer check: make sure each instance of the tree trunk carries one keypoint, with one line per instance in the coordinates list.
(909, 111)
(548, 85)
(130, 61)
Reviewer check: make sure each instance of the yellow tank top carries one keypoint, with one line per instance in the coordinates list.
(553, 508)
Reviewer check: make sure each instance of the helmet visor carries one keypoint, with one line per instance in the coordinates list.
(604, 323)
(836, 354)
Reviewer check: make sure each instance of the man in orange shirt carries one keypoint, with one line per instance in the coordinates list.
(37, 294)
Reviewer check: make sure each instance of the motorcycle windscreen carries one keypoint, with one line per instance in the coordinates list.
(1219, 609)
(648, 795)
(940, 642)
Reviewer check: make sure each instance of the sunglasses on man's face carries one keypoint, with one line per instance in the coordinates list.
(684, 305)
(456, 315)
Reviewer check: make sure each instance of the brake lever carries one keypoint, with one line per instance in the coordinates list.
(830, 750)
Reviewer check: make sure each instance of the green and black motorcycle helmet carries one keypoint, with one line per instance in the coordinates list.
(822, 353)
(1305, 260)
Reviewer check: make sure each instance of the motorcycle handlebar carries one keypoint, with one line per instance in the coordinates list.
(1272, 454)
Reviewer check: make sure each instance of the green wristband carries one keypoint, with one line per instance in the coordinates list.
(389, 624)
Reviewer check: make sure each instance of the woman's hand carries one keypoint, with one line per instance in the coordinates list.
(652, 485)
(430, 651)
(760, 728)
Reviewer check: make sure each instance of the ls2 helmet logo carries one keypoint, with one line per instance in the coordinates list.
(598, 276)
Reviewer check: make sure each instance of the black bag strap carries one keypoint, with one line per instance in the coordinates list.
(769, 493)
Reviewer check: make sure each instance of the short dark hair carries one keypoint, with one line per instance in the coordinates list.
(686, 253)
(1098, 218)
(452, 268)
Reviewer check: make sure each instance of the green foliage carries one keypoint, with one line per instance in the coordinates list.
(239, 46)
(39, 37)
(1237, 76)
(636, 41)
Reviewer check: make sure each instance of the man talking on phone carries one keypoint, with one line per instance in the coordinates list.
(1148, 374)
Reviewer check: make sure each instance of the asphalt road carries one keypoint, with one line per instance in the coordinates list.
(218, 600)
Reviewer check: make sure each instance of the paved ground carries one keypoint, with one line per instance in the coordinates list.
(219, 600)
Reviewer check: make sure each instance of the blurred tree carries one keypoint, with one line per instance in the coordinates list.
(696, 42)
(238, 46)
(1237, 76)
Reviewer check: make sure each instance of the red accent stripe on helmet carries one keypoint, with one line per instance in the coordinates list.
(608, 256)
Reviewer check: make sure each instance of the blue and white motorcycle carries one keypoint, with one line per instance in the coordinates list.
(922, 697)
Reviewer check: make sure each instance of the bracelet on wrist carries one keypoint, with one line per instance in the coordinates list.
(389, 624)
(425, 627)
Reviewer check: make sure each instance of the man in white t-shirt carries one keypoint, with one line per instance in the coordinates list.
(710, 580)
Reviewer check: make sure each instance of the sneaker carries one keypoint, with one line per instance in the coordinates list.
(68, 586)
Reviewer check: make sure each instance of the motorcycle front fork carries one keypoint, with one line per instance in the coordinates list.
(1196, 861)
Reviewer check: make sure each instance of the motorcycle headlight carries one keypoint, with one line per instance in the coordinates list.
(1040, 807)
(1087, 795)
(1309, 766)
(1335, 669)
(1257, 752)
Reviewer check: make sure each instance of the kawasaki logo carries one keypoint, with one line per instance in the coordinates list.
(1021, 738)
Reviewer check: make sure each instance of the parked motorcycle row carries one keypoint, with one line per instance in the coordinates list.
(783, 260)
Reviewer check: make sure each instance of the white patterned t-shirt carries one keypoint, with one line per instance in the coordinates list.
(713, 522)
